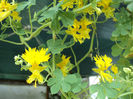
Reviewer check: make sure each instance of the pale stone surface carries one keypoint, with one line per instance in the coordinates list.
(21, 92)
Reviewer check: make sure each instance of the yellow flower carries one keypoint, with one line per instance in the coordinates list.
(64, 65)
(4, 15)
(104, 3)
(16, 16)
(36, 76)
(6, 9)
(114, 69)
(103, 63)
(35, 57)
(67, 4)
(109, 12)
(79, 3)
(79, 30)
(106, 9)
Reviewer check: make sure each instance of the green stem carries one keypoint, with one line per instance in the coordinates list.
(54, 3)
(12, 25)
(37, 32)
(15, 43)
(53, 62)
(46, 78)
(24, 42)
(97, 43)
(64, 39)
(75, 60)
(30, 19)
(54, 37)
(124, 94)
(66, 97)
(84, 7)
(84, 90)
(71, 45)
(91, 46)
(38, 40)
(102, 21)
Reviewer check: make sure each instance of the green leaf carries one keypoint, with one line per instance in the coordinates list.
(71, 78)
(55, 88)
(22, 5)
(20, 32)
(50, 13)
(76, 89)
(94, 88)
(116, 51)
(110, 92)
(55, 25)
(55, 46)
(78, 85)
(116, 84)
(67, 18)
(32, 2)
(121, 29)
(116, 3)
(128, 1)
(130, 6)
(66, 87)
(51, 81)
(126, 52)
(56, 82)
(3, 36)
(58, 74)
(101, 93)
(71, 42)
(84, 85)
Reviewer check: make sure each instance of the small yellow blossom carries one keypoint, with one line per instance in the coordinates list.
(80, 30)
(114, 69)
(6, 9)
(4, 15)
(104, 3)
(106, 9)
(35, 57)
(67, 4)
(16, 16)
(64, 65)
(103, 63)
(91, 10)
(36, 76)
(109, 12)
(79, 3)
(70, 4)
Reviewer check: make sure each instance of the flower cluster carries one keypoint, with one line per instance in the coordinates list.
(80, 30)
(65, 65)
(34, 58)
(69, 4)
(104, 63)
(7, 9)
(106, 9)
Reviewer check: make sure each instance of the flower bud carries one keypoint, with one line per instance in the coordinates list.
(19, 62)
(98, 11)
(131, 67)
(28, 65)
(16, 58)
(127, 70)
(131, 73)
